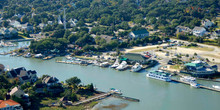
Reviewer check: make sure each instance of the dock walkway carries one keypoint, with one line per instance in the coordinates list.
(201, 86)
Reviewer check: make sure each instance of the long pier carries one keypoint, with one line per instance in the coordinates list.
(105, 95)
(200, 86)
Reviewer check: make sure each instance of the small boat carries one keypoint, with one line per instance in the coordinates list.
(116, 91)
(116, 64)
(68, 57)
(38, 55)
(195, 85)
(137, 67)
(160, 75)
(104, 64)
(216, 87)
(28, 55)
(96, 63)
(188, 79)
(122, 66)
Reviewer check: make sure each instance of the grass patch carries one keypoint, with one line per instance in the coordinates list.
(47, 101)
(175, 67)
(142, 50)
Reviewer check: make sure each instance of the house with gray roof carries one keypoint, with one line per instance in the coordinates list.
(199, 31)
(138, 34)
(183, 29)
(50, 81)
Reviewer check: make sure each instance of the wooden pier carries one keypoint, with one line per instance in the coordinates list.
(200, 86)
(125, 98)
(103, 96)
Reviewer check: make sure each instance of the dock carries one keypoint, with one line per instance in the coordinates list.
(200, 86)
(125, 98)
(105, 95)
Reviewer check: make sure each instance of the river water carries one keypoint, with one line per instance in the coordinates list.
(153, 94)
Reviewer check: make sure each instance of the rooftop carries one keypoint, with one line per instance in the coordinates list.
(143, 31)
(4, 103)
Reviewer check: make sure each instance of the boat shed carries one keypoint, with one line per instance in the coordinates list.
(133, 58)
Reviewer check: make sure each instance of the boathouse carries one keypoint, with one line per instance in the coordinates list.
(133, 58)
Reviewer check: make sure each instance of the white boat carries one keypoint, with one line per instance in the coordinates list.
(28, 55)
(216, 87)
(68, 57)
(188, 79)
(122, 66)
(96, 63)
(137, 67)
(113, 90)
(116, 64)
(160, 75)
(104, 64)
(38, 55)
(194, 85)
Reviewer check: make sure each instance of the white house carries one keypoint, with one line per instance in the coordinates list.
(10, 105)
(199, 31)
(139, 34)
(73, 22)
(42, 25)
(207, 23)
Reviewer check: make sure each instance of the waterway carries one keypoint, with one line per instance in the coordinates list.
(153, 94)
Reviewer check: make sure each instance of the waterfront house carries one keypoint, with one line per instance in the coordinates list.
(199, 31)
(8, 32)
(207, 23)
(50, 81)
(138, 34)
(23, 75)
(10, 105)
(20, 94)
(200, 69)
(183, 29)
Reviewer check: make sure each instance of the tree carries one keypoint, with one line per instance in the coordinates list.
(73, 81)
(5, 23)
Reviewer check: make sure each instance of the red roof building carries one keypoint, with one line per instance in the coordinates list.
(10, 105)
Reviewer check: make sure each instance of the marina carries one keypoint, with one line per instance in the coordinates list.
(131, 83)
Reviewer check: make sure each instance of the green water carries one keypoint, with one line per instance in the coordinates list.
(153, 94)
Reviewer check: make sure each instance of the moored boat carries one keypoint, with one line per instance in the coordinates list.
(137, 67)
(104, 64)
(160, 75)
(116, 64)
(188, 79)
(216, 87)
(122, 66)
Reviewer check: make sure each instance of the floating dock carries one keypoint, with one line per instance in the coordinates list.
(200, 86)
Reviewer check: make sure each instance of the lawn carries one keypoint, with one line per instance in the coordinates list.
(142, 50)
(175, 66)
